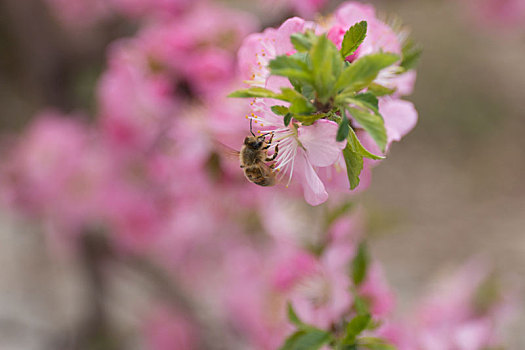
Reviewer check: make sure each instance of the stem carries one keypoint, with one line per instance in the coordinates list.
(95, 332)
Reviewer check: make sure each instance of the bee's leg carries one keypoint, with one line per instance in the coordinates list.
(269, 143)
(269, 159)
(242, 166)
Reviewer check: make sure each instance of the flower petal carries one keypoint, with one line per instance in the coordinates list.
(319, 141)
(313, 187)
(283, 44)
(400, 117)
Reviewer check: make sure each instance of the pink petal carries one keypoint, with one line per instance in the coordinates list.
(246, 54)
(379, 37)
(319, 141)
(400, 117)
(283, 45)
(313, 187)
(352, 12)
(404, 83)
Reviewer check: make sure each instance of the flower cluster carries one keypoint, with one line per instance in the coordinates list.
(341, 82)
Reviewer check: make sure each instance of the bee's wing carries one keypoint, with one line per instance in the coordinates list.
(226, 151)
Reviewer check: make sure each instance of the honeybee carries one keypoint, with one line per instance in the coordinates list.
(253, 157)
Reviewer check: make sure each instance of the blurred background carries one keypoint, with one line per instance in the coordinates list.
(452, 190)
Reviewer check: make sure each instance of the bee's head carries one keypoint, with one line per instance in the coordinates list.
(254, 142)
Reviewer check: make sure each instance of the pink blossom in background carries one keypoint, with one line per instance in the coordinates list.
(134, 102)
(166, 66)
(321, 297)
(256, 312)
(456, 315)
(168, 330)
(377, 292)
(55, 172)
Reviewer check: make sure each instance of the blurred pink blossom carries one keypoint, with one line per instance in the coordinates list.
(456, 314)
(167, 330)
(377, 292)
(55, 171)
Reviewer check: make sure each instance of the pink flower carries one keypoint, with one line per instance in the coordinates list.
(380, 37)
(376, 290)
(321, 296)
(55, 172)
(400, 118)
(134, 101)
(301, 150)
(258, 49)
(297, 151)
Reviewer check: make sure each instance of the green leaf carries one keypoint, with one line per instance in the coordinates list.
(353, 38)
(373, 124)
(380, 90)
(292, 316)
(358, 147)
(308, 119)
(302, 41)
(307, 339)
(348, 347)
(367, 101)
(343, 130)
(373, 343)
(368, 98)
(361, 306)
(307, 90)
(357, 325)
(360, 264)
(280, 110)
(287, 119)
(326, 67)
(362, 72)
(298, 103)
(301, 106)
(291, 67)
(411, 55)
(354, 165)
(254, 92)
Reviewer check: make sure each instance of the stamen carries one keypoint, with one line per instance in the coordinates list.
(291, 171)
